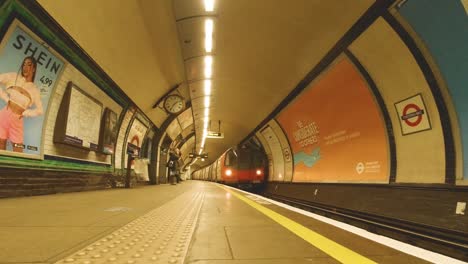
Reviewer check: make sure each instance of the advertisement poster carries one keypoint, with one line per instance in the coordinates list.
(28, 74)
(135, 136)
(336, 130)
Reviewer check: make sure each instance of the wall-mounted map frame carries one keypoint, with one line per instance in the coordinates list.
(79, 119)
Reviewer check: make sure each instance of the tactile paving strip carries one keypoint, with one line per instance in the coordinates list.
(161, 236)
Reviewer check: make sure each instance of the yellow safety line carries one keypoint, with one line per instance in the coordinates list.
(331, 248)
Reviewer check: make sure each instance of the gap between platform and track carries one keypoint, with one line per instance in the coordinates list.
(330, 247)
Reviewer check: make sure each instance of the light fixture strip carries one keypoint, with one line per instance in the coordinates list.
(208, 71)
(207, 87)
(208, 67)
(207, 101)
(209, 5)
(209, 35)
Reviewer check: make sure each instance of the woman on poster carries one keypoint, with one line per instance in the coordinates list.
(20, 94)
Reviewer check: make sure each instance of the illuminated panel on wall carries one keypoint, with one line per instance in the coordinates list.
(443, 27)
(336, 131)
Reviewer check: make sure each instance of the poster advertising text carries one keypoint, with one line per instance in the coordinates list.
(28, 74)
(336, 131)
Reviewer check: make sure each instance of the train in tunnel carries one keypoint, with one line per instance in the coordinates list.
(243, 166)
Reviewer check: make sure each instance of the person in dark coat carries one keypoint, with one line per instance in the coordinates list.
(173, 164)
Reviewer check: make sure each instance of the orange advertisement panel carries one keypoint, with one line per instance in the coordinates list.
(336, 130)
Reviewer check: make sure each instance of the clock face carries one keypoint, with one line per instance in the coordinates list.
(174, 103)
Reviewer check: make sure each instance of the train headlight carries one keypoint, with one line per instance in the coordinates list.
(228, 172)
(259, 172)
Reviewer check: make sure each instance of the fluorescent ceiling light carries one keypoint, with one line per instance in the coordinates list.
(208, 61)
(207, 101)
(208, 67)
(208, 44)
(207, 111)
(207, 87)
(208, 72)
(209, 5)
(202, 143)
(208, 35)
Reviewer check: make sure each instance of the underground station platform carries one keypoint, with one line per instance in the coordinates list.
(191, 222)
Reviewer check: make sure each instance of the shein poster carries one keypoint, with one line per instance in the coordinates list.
(28, 74)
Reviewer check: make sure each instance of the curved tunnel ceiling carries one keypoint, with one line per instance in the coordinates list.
(262, 50)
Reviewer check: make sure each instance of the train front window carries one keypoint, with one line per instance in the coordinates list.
(250, 159)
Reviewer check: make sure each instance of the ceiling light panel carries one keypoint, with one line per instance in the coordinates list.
(209, 5)
(206, 101)
(209, 25)
(208, 67)
(207, 87)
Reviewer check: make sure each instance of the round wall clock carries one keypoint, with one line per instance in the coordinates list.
(174, 104)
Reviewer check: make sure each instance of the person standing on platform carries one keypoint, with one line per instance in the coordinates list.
(179, 160)
(173, 165)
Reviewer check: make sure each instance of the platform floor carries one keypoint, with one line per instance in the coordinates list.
(192, 222)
